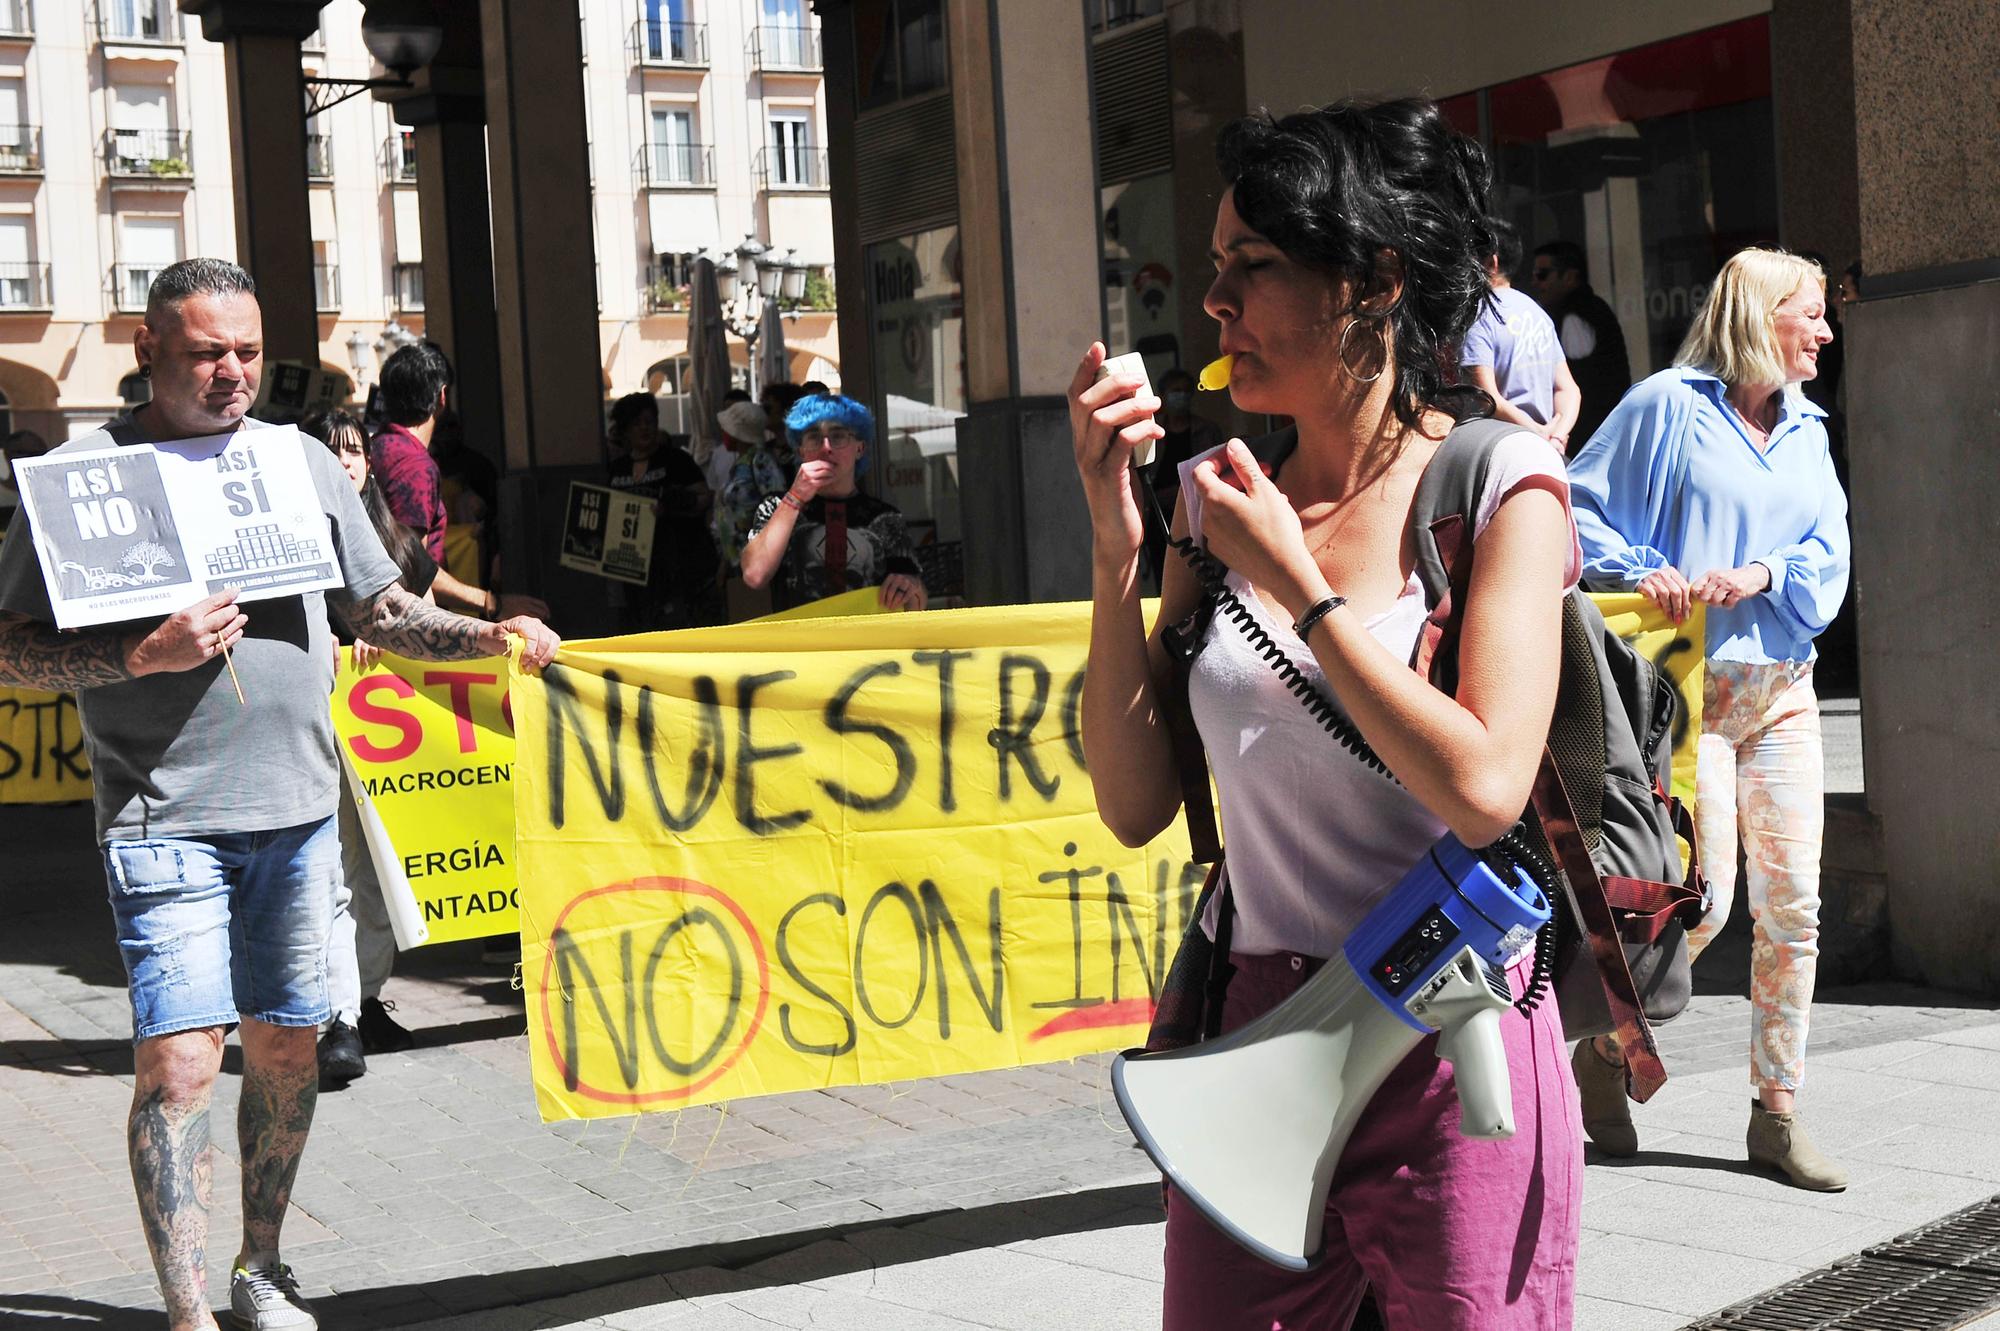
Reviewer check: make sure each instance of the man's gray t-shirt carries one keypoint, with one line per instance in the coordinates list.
(174, 754)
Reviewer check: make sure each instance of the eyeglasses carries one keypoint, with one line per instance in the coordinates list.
(831, 438)
(1542, 274)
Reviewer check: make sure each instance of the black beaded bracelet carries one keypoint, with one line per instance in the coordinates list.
(1320, 610)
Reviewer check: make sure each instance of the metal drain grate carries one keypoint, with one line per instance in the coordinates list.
(1933, 1278)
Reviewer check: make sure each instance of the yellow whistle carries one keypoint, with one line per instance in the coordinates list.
(1215, 374)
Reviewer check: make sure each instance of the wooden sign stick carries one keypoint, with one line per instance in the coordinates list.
(234, 678)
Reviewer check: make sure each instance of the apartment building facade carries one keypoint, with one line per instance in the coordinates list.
(706, 135)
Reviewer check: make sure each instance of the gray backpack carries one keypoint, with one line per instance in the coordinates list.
(1601, 806)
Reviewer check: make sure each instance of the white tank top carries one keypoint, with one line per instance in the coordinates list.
(1314, 838)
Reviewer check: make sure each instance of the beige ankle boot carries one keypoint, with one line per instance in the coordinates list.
(1779, 1141)
(1607, 1114)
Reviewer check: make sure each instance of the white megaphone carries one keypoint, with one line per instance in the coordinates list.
(1250, 1127)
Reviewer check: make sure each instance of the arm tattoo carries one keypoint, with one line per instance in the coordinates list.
(33, 655)
(272, 1120)
(398, 622)
(171, 1172)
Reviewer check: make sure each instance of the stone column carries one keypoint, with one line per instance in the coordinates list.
(544, 290)
(1922, 394)
(267, 125)
(447, 112)
(1033, 290)
(545, 283)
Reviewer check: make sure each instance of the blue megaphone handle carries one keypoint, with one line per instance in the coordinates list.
(1451, 900)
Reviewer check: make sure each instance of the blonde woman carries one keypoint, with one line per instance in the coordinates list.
(1712, 482)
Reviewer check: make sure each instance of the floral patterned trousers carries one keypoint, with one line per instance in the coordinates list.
(1762, 774)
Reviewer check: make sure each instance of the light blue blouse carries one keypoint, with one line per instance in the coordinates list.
(1671, 478)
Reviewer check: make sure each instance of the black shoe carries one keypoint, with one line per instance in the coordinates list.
(340, 1056)
(380, 1032)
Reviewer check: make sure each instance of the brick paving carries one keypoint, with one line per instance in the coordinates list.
(432, 1191)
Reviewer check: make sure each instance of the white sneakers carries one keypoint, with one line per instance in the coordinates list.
(266, 1298)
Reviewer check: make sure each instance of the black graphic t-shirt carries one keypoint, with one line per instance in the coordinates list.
(838, 545)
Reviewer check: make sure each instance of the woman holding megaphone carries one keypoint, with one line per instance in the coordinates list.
(1349, 250)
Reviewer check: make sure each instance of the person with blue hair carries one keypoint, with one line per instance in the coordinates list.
(822, 536)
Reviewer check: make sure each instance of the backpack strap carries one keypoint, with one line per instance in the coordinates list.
(1443, 517)
(1643, 1069)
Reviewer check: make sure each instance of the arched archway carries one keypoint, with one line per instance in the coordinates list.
(27, 388)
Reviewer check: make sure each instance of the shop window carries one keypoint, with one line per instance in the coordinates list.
(1660, 162)
(917, 313)
(899, 50)
(1104, 15)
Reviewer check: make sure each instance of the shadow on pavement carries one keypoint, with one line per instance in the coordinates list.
(402, 1305)
(54, 1310)
(1677, 1159)
(977, 1227)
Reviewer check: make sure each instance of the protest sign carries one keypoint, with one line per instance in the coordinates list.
(608, 532)
(815, 853)
(432, 747)
(793, 854)
(41, 749)
(143, 531)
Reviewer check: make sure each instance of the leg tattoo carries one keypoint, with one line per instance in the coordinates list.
(272, 1121)
(170, 1172)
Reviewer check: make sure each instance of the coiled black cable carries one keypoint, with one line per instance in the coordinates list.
(1510, 848)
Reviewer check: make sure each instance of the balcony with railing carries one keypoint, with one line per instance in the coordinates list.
(24, 286)
(319, 157)
(131, 283)
(20, 150)
(781, 47)
(795, 168)
(406, 288)
(149, 154)
(17, 20)
(143, 22)
(676, 166)
(658, 42)
(666, 289)
(399, 158)
(326, 287)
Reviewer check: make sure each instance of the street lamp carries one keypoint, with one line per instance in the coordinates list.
(794, 288)
(748, 278)
(394, 337)
(402, 35)
(359, 344)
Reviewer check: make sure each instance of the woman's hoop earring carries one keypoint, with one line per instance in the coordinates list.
(1345, 334)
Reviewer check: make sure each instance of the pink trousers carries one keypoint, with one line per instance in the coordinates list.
(1453, 1235)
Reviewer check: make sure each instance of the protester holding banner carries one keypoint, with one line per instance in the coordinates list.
(822, 536)
(680, 589)
(1350, 250)
(1712, 482)
(212, 747)
(413, 387)
(361, 950)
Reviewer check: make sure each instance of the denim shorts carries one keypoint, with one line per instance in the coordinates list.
(213, 928)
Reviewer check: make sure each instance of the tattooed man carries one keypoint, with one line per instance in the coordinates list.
(216, 816)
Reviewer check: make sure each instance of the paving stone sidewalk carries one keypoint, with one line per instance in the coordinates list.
(432, 1191)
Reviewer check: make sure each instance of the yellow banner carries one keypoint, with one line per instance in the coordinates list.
(434, 748)
(1677, 650)
(42, 759)
(860, 601)
(799, 854)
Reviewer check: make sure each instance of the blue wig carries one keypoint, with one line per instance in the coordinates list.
(829, 409)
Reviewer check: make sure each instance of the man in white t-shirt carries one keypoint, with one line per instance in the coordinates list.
(1513, 353)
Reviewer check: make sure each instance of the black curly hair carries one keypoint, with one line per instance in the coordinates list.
(1367, 192)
